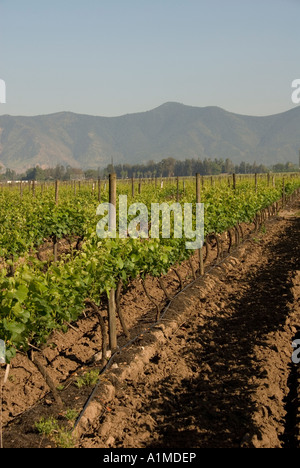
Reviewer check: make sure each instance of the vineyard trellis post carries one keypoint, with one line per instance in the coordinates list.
(99, 190)
(283, 193)
(55, 240)
(33, 188)
(56, 192)
(234, 181)
(198, 200)
(112, 294)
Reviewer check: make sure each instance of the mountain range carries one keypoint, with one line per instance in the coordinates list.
(170, 130)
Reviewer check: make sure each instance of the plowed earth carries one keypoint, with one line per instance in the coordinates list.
(222, 377)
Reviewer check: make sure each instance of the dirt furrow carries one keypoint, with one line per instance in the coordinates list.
(224, 377)
(215, 372)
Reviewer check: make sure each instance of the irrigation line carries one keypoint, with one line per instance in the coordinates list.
(165, 310)
(119, 350)
(130, 342)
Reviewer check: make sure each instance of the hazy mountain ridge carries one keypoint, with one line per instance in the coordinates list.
(171, 130)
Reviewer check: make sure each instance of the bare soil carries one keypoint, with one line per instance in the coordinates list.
(215, 372)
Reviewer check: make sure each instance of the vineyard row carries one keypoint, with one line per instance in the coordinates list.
(37, 297)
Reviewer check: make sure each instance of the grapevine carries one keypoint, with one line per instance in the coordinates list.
(35, 300)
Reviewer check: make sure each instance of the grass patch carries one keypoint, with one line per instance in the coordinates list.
(61, 435)
(88, 379)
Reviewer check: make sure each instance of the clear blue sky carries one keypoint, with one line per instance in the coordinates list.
(113, 57)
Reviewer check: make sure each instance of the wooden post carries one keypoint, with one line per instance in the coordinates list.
(283, 193)
(198, 188)
(132, 187)
(177, 189)
(112, 313)
(256, 184)
(56, 192)
(55, 250)
(234, 181)
(198, 200)
(99, 190)
(112, 200)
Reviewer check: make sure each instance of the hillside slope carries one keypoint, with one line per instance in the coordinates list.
(171, 130)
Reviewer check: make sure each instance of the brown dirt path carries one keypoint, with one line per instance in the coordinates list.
(224, 377)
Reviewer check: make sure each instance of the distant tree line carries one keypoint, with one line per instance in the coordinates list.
(59, 172)
(171, 167)
(168, 167)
